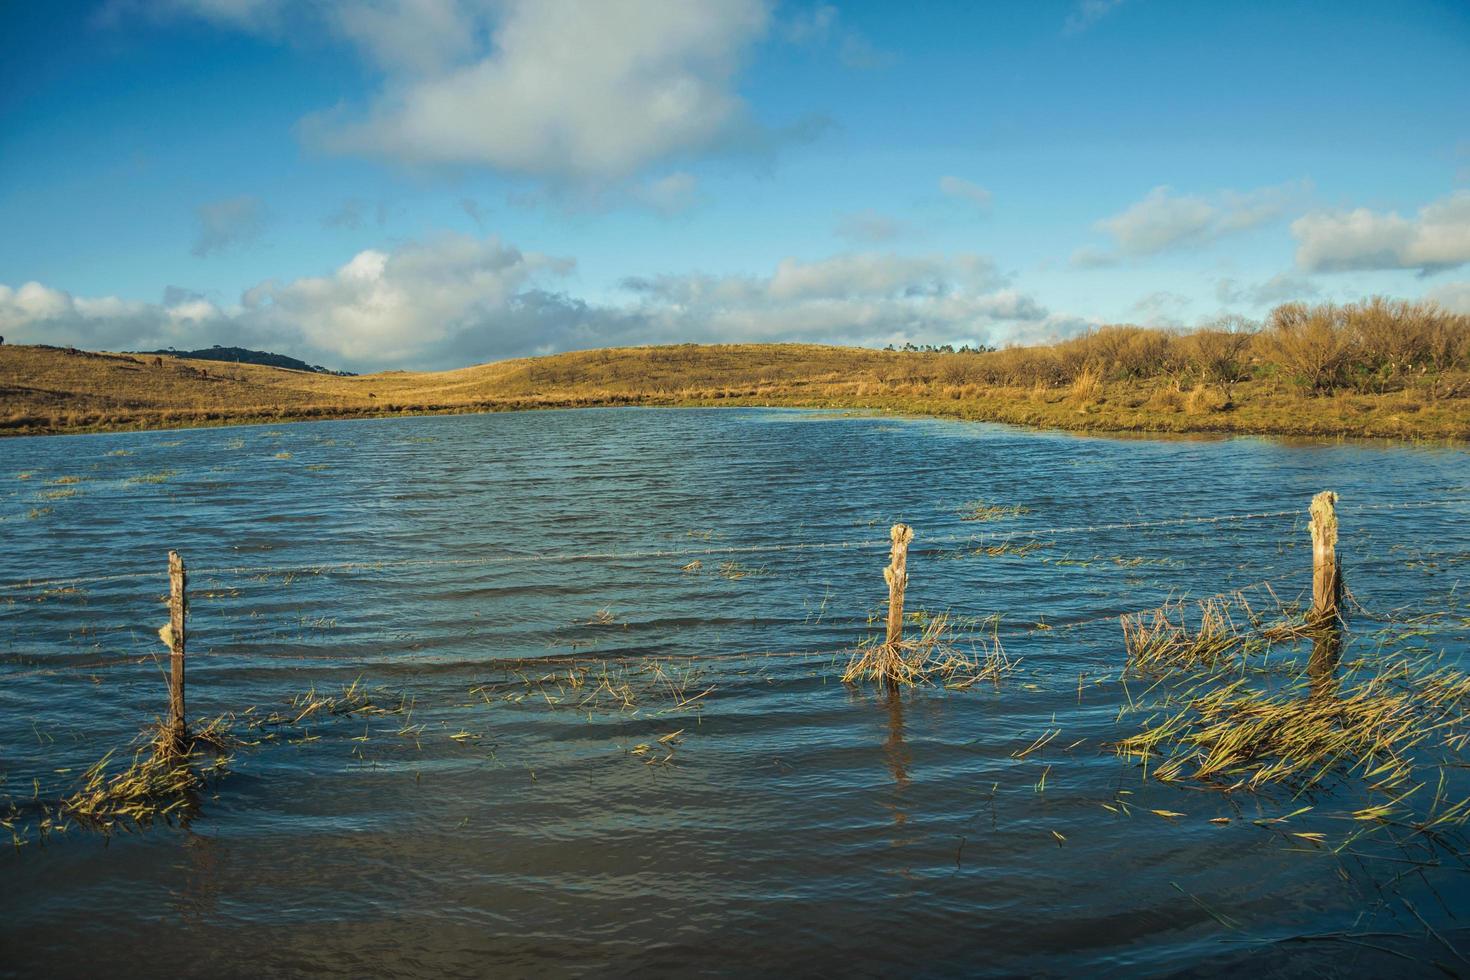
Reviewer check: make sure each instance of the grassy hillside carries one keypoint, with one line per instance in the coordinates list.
(1376, 369)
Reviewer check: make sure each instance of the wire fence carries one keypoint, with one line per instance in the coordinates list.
(1289, 582)
(679, 554)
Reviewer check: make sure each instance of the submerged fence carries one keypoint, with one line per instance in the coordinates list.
(1327, 582)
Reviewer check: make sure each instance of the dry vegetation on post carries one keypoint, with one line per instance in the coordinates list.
(1377, 368)
(933, 658)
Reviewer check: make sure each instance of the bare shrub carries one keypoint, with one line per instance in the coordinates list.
(1217, 354)
(1309, 343)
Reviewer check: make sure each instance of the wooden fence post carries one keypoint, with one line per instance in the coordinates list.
(1326, 573)
(897, 577)
(178, 618)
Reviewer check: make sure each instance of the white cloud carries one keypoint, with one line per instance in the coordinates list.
(37, 314)
(585, 97)
(421, 305)
(1437, 238)
(458, 300)
(412, 306)
(226, 224)
(566, 90)
(412, 36)
(965, 190)
(1164, 220)
(861, 298)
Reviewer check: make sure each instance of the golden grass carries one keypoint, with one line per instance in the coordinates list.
(160, 782)
(1395, 370)
(1379, 730)
(979, 510)
(603, 686)
(1164, 639)
(1239, 737)
(933, 658)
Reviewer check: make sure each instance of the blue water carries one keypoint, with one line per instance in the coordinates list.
(793, 825)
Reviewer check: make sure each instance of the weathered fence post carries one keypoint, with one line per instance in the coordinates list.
(1326, 574)
(897, 577)
(178, 618)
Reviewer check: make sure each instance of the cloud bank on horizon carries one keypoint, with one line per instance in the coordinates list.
(430, 183)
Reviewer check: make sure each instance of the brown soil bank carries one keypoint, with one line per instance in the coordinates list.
(1380, 369)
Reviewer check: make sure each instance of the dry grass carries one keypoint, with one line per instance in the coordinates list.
(1236, 736)
(1165, 640)
(1391, 729)
(160, 783)
(979, 510)
(933, 658)
(604, 686)
(355, 699)
(1402, 369)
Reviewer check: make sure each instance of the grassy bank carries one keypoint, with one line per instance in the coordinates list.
(1378, 369)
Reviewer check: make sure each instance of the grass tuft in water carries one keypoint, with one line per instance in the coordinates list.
(161, 782)
(979, 510)
(933, 658)
(1164, 640)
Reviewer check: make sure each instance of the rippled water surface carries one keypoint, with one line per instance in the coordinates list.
(510, 823)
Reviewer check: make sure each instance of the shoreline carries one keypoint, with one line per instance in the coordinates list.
(1313, 429)
(55, 391)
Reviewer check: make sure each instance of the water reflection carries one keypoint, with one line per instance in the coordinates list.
(895, 750)
(200, 896)
(1322, 666)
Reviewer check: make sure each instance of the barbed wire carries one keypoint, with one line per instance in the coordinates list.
(698, 553)
(1016, 627)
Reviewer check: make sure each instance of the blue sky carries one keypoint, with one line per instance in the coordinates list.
(429, 183)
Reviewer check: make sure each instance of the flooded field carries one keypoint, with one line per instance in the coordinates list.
(559, 693)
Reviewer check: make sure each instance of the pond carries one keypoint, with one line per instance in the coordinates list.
(559, 693)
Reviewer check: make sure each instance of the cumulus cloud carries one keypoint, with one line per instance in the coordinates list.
(566, 90)
(410, 36)
(1165, 220)
(457, 300)
(860, 298)
(227, 224)
(420, 305)
(1436, 238)
(964, 190)
(587, 96)
(37, 314)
